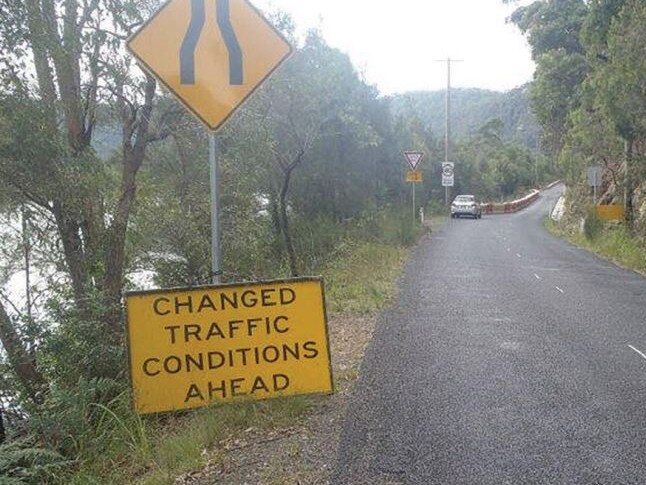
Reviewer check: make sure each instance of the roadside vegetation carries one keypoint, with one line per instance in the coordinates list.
(611, 241)
(589, 97)
(111, 444)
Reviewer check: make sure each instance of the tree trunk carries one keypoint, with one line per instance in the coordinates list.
(3, 434)
(284, 222)
(21, 361)
(26, 247)
(115, 257)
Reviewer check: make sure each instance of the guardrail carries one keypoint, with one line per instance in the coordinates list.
(553, 184)
(510, 207)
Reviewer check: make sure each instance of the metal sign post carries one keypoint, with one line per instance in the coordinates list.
(448, 178)
(216, 268)
(414, 207)
(212, 67)
(414, 159)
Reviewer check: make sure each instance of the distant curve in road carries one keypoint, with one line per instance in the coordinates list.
(509, 357)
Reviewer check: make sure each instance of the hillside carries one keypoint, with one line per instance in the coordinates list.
(472, 108)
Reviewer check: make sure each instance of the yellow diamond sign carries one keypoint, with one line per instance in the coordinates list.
(212, 54)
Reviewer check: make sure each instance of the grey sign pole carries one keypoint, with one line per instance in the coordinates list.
(214, 152)
(447, 134)
(414, 209)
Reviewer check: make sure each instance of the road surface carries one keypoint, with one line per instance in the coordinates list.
(509, 357)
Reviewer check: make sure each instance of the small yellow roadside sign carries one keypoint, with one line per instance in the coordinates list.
(610, 212)
(414, 176)
(212, 54)
(192, 347)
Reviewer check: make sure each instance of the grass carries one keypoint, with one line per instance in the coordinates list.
(613, 242)
(175, 444)
(363, 280)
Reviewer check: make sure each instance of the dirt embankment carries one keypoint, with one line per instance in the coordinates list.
(304, 453)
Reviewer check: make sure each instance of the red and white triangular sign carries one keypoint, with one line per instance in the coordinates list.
(414, 158)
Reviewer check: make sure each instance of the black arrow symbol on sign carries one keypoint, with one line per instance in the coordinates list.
(189, 45)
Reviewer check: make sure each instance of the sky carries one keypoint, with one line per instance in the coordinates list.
(395, 44)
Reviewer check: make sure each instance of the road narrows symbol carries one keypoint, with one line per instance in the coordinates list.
(189, 45)
(187, 51)
(211, 54)
(236, 77)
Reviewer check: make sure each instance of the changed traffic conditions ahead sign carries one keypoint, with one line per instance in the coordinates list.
(192, 347)
(448, 174)
(414, 159)
(212, 54)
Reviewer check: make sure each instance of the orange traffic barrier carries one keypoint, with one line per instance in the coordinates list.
(510, 207)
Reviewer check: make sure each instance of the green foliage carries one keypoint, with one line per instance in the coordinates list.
(77, 347)
(23, 463)
(470, 110)
(362, 280)
(592, 226)
(555, 90)
(589, 92)
(552, 25)
(616, 243)
(621, 82)
(157, 449)
(73, 422)
(491, 168)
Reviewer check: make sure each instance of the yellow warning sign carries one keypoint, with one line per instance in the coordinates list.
(212, 54)
(414, 176)
(192, 347)
(610, 212)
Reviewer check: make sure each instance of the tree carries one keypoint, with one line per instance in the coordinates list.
(313, 117)
(81, 70)
(553, 30)
(620, 84)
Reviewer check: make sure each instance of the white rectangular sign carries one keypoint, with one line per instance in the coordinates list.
(448, 174)
(595, 176)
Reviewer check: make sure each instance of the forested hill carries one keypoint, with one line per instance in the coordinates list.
(471, 109)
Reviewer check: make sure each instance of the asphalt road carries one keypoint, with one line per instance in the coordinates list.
(509, 357)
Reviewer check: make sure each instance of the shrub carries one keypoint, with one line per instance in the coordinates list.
(23, 463)
(593, 225)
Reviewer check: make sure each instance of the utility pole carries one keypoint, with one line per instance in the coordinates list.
(447, 137)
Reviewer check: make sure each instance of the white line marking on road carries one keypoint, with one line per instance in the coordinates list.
(638, 351)
(518, 255)
(537, 277)
(560, 289)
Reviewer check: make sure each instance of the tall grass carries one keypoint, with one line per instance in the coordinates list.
(155, 450)
(613, 242)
